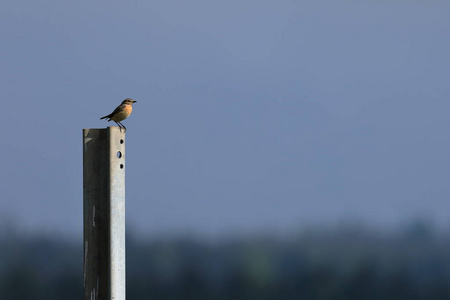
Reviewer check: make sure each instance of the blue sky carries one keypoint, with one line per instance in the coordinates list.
(251, 115)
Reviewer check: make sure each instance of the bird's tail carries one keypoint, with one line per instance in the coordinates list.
(104, 117)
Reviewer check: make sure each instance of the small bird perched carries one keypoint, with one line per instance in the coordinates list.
(121, 112)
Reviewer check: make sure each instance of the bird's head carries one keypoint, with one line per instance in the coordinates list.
(128, 101)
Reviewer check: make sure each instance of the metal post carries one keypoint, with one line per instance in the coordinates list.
(104, 213)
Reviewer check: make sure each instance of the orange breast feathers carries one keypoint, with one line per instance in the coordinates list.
(123, 114)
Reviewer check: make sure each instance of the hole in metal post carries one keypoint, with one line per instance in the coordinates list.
(119, 154)
(121, 141)
(121, 166)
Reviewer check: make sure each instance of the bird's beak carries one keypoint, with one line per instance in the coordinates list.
(134, 101)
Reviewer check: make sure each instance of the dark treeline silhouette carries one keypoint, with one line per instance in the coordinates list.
(346, 263)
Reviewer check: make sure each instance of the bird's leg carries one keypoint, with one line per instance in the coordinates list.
(123, 126)
(119, 124)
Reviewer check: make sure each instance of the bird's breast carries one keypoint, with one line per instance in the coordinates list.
(123, 114)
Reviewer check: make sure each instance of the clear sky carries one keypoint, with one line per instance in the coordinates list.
(251, 115)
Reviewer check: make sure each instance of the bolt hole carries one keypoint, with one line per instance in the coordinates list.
(121, 166)
(119, 154)
(121, 141)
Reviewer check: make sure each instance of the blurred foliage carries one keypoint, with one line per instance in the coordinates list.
(346, 263)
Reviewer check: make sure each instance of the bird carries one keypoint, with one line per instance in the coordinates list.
(121, 112)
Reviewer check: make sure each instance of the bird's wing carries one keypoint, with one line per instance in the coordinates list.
(116, 111)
